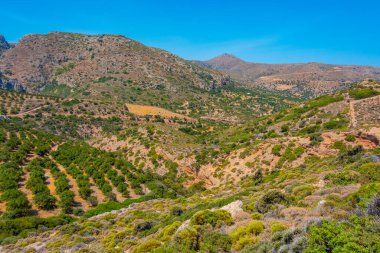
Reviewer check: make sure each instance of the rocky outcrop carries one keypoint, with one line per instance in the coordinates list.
(11, 85)
(4, 45)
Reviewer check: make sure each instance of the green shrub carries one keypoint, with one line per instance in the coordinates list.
(266, 202)
(176, 211)
(355, 235)
(146, 247)
(363, 93)
(277, 226)
(350, 138)
(216, 242)
(245, 235)
(215, 218)
(336, 123)
(277, 149)
(303, 191)
(339, 145)
(342, 178)
(245, 241)
(257, 216)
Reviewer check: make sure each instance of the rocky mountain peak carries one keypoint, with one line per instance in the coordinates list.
(226, 59)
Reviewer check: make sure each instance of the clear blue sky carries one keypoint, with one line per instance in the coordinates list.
(334, 31)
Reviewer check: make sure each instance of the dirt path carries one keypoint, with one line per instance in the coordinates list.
(119, 196)
(50, 184)
(22, 187)
(3, 207)
(132, 193)
(98, 194)
(22, 114)
(73, 186)
(353, 121)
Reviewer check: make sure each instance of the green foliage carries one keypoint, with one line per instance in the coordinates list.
(176, 211)
(277, 149)
(277, 226)
(355, 235)
(365, 193)
(339, 145)
(147, 247)
(20, 227)
(64, 69)
(350, 138)
(342, 178)
(245, 235)
(335, 123)
(268, 200)
(363, 93)
(215, 218)
(71, 102)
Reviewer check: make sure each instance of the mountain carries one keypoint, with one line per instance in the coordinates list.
(111, 67)
(309, 79)
(4, 45)
(77, 60)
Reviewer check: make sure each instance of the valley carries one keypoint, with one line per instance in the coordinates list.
(113, 146)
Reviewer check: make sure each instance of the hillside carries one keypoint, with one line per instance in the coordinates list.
(309, 79)
(77, 60)
(89, 175)
(110, 68)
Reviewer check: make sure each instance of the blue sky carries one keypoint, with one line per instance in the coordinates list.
(344, 31)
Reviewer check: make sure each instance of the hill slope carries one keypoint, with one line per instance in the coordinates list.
(77, 60)
(110, 67)
(309, 79)
(286, 181)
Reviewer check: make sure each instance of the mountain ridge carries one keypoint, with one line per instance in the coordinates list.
(300, 79)
(74, 59)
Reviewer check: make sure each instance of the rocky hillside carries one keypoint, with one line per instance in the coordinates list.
(110, 67)
(88, 62)
(309, 79)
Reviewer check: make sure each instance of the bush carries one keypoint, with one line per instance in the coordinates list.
(176, 211)
(245, 235)
(335, 124)
(244, 241)
(216, 242)
(277, 226)
(363, 93)
(146, 247)
(257, 216)
(350, 138)
(266, 202)
(277, 149)
(354, 235)
(214, 218)
(145, 225)
(44, 200)
(374, 206)
(342, 178)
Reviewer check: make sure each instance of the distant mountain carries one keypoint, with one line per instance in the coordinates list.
(87, 62)
(4, 45)
(309, 79)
